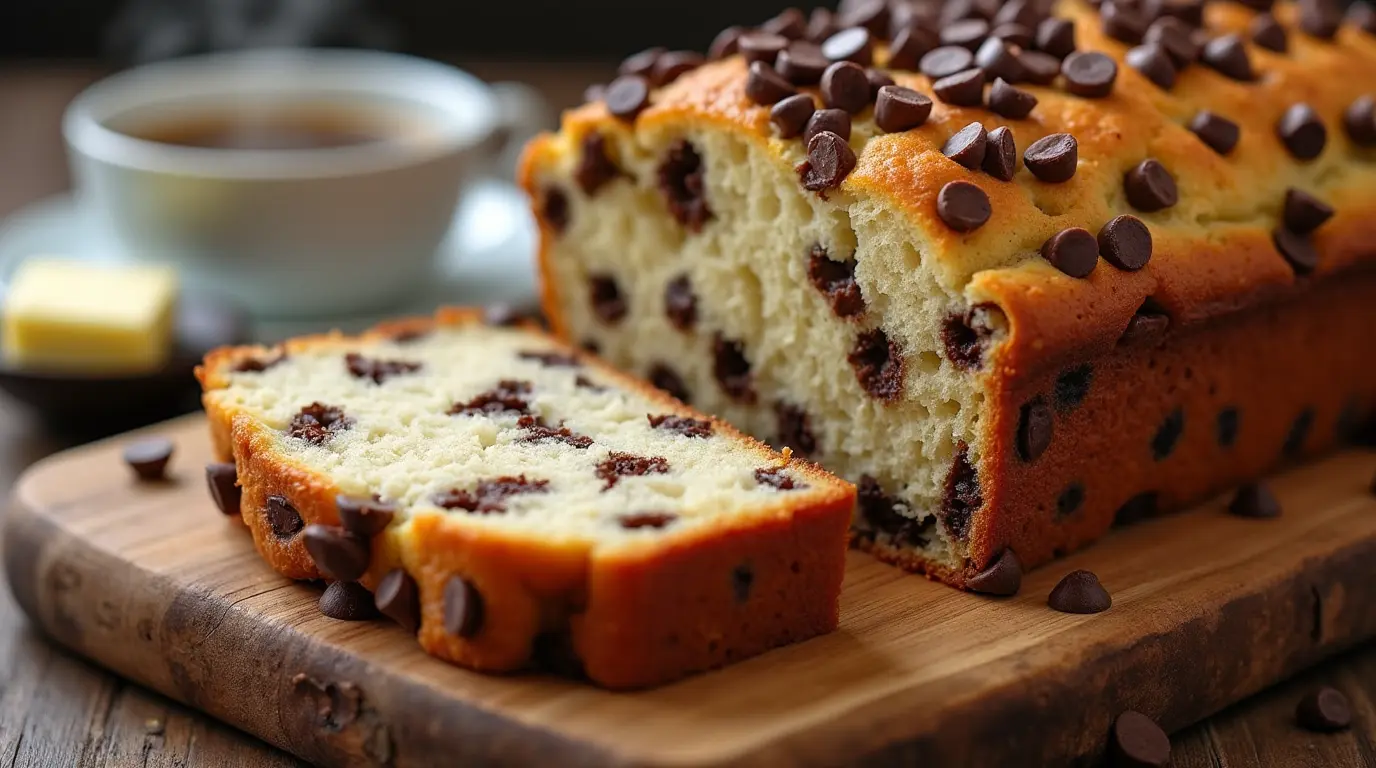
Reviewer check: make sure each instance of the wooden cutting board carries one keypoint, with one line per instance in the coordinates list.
(152, 582)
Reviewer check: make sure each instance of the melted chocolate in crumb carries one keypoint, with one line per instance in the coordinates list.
(595, 168)
(680, 303)
(551, 359)
(283, 518)
(962, 495)
(637, 520)
(1070, 500)
(732, 369)
(795, 430)
(1073, 386)
(536, 432)
(742, 579)
(555, 209)
(258, 364)
(584, 382)
(361, 367)
(665, 378)
(317, 423)
(684, 425)
(881, 511)
(607, 302)
(681, 183)
(1168, 435)
(618, 465)
(489, 496)
(878, 364)
(509, 396)
(836, 281)
(965, 337)
(775, 478)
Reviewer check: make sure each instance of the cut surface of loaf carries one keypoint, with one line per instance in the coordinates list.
(518, 503)
(1126, 272)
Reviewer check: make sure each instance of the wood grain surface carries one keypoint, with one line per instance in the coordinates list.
(150, 581)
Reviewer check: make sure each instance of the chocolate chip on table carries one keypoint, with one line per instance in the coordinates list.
(1010, 102)
(836, 121)
(801, 63)
(1068, 503)
(963, 89)
(1036, 424)
(790, 23)
(836, 281)
(1359, 120)
(1002, 577)
(364, 517)
(489, 496)
(638, 520)
(1137, 741)
(774, 477)
(732, 370)
(1039, 68)
(829, 160)
(878, 365)
(1153, 63)
(795, 429)
(680, 303)
(1325, 710)
(338, 554)
(1268, 33)
(675, 64)
(844, 86)
(1072, 387)
(1296, 249)
(878, 80)
(1073, 251)
(726, 43)
(627, 96)
(398, 598)
(1319, 18)
(1299, 432)
(1125, 242)
(1148, 324)
(665, 378)
(1176, 39)
(642, 63)
(1000, 154)
(1079, 592)
(966, 146)
(1056, 36)
(761, 46)
(1168, 435)
(283, 518)
(1218, 133)
(966, 33)
(765, 87)
(619, 464)
(347, 601)
(1052, 158)
(317, 423)
(998, 59)
(1150, 187)
(909, 45)
(963, 206)
(945, 61)
(1228, 56)
(1089, 74)
(378, 371)
(1304, 213)
(897, 108)
(463, 607)
(595, 168)
(1226, 425)
(683, 425)
(509, 396)
(148, 458)
(854, 45)
(683, 186)
(1254, 500)
(790, 116)
(224, 489)
(1302, 132)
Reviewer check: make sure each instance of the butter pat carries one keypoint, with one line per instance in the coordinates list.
(82, 317)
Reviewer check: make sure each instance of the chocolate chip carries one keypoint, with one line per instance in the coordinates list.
(836, 281)
(790, 23)
(618, 465)
(463, 607)
(1136, 740)
(317, 423)
(1218, 133)
(1325, 710)
(1089, 74)
(338, 554)
(844, 86)
(1168, 435)
(1072, 387)
(881, 512)
(1073, 251)
(637, 520)
(398, 598)
(1319, 18)
(963, 89)
(909, 45)
(347, 601)
(801, 64)
(821, 24)
(1175, 38)
(258, 364)
(963, 206)
(795, 430)
(836, 121)
(1189, 11)
(1228, 56)
(509, 396)
(680, 303)
(1125, 242)
(683, 425)
(998, 60)
(675, 64)
(1304, 213)
(1148, 324)
(1035, 427)
(1254, 500)
(1136, 509)
(761, 47)
(224, 488)
(489, 496)
(1013, 34)
(378, 371)
(595, 168)
(148, 458)
(1056, 37)
(583, 382)
(550, 359)
(664, 377)
(964, 337)
(627, 97)
(642, 63)
(1299, 432)
(683, 186)
(1000, 154)
(1018, 12)
(1121, 22)
(1362, 16)
(854, 45)
(878, 80)
(790, 116)
(742, 579)
(1079, 592)
(554, 209)
(1261, 6)
(960, 497)
(945, 61)
(878, 365)
(900, 109)
(1039, 68)
(534, 431)
(364, 517)
(871, 14)
(1359, 120)
(966, 33)
(594, 92)
(1002, 577)
(1012, 103)
(1296, 249)
(1068, 503)
(1268, 33)
(774, 477)
(1153, 63)
(1302, 132)
(966, 146)
(726, 43)
(1226, 426)
(829, 160)
(732, 370)
(1052, 158)
(283, 518)
(764, 86)
(1150, 187)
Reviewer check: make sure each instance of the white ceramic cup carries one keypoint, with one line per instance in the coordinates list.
(294, 232)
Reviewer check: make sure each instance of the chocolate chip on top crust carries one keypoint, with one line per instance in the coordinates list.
(1010, 102)
(829, 160)
(946, 61)
(909, 45)
(1168, 435)
(317, 423)
(1302, 132)
(1147, 324)
(683, 186)
(619, 464)
(726, 43)
(774, 477)
(1319, 18)
(1052, 158)
(1359, 121)
(791, 115)
(1073, 251)
(1150, 187)
(1228, 56)
(640, 520)
(966, 146)
(337, 553)
(1303, 213)
(801, 63)
(1125, 242)
(732, 370)
(398, 598)
(821, 24)
(897, 108)
(1176, 38)
(795, 429)
(1039, 68)
(283, 518)
(878, 79)
(790, 23)
(222, 479)
(844, 86)
(963, 89)
(870, 14)
(675, 64)
(763, 47)
(1014, 34)
(1136, 740)
(1296, 249)
(1153, 63)
(765, 87)
(836, 121)
(463, 608)
(1362, 15)
(1055, 36)
(627, 96)
(536, 432)
(595, 168)
(683, 425)
(854, 45)
(999, 60)
(878, 364)
(965, 33)
(1072, 387)
(680, 303)
(642, 63)
(836, 281)
(604, 295)
(361, 367)
(963, 206)
(509, 396)
(1089, 74)
(1217, 132)
(489, 496)
(1122, 23)
(667, 379)
(1036, 424)
(1268, 33)
(1000, 154)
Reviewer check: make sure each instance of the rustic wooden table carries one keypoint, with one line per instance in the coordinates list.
(58, 710)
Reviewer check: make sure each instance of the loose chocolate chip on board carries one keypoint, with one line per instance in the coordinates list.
(1072, 387)
(1168, 435)
(790, 23)
(489, 496)
(507, 397)
(1254, 500)
(963, 206)
(1000, 154)
(1268, 33)
(1136, 741)
(347, 601)
(726, 43)
(742, 579)
(732, 370)
(1150, 187)
(680, 303)
(1073, 251)
(1147, 324)
(1002, 578)
(844, 86)
(619, 464)
(774, 477)
(683, 425)
(1089, 74)
(1359, 120)
(1296, 249)
(1056, 36)
(1153, 63)
(878, 79)
(945, 61)
(1228, 56)
(533, 431)
(1125, 242)
(961, 496)
(1036, 424)
(337, 553)
(1079, 592)
(1070, 500)
(148, 458)
(765, 87)
(1320, 18)
(897, 108)
(1304, 213)
(829, 160)
(999, 60)
(1052, 158)
(801, 63)
(836, 121)
(761, 46)
(595, 168)
(1010, 102)
(854, 45)
(222, 479)
(966, 33)
(463, 607)
(1226, 426)
(362, 516)
(627, 96)
(909, 45)
(836, 281)
(1176, 38)
(554, 209)
(683, 186)
(1136, 509)
(605, 297)
(1298, 434)
(795, 429)
(1218, 133)
(1325, 710)
(398, 598)
(317, 423)
(790, 116)
(283, 518)
(1302, 132)
(963, 89)
(638, 520)
(1039, 68)
(665, 378)
(378, 371)
(966, 146)
(878, 365)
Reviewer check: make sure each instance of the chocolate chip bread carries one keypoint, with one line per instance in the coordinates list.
(517, 503)
(1017, 269)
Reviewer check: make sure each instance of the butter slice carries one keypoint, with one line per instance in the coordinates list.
(83, 317)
